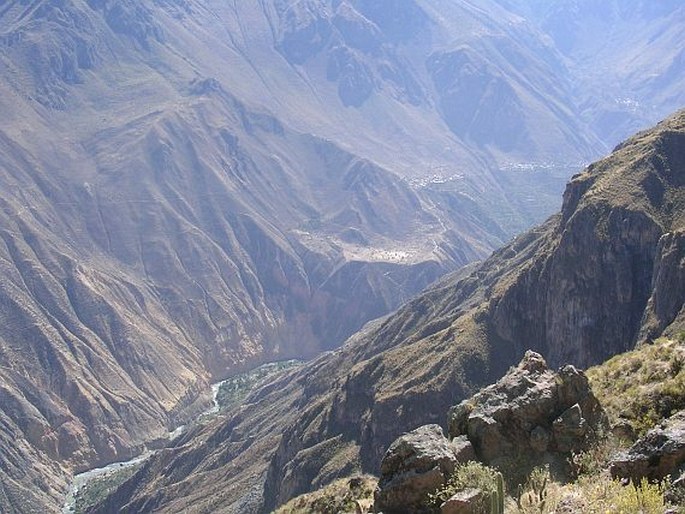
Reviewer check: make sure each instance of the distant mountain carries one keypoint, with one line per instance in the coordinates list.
(605, 273)
(625, 57)
(190, 188)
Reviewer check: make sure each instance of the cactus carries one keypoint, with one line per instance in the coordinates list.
(539, 478)
(500, 493)
(497, 496)
(533, 496)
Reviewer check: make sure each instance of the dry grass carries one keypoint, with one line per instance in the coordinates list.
(471, 475)
(643, 386)
(596, 493)
(348, 495)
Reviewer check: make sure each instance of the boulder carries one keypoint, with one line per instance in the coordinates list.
(463, 448)
(569, 428)
(659, 453)
(531, 415)
(468, 501)
(623, 430)
(415, 465)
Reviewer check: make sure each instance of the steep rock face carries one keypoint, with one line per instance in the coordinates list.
(475, 99)
(343, 409)
(357, 41)
(664, 308)
(596, 284)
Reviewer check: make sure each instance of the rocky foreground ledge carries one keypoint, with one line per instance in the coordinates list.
(530, 417)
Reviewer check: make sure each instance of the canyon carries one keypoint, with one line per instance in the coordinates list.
(192, 188)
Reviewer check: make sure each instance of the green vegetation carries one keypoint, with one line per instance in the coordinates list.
(645, 498)
(596, 459)
(473, 475)
(233, 390)
(349, 495)
(98, 488)
(643, 386)
(640, 387)
(592, 491)
(537, 494)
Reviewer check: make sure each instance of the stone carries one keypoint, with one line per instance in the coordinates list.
(415, 465)
(623, 430)
(463, 449)
(659, 453)
(355, 483)
(569, 429)
(539, 439)
(468, 501)
(675, 493)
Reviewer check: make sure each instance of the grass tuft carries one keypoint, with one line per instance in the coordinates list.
(348, 495)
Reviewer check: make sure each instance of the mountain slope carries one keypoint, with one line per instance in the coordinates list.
(190, 188)
(581, 287)
(191, 254)
(616, 63)
(152, 241)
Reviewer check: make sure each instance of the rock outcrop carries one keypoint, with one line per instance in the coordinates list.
(659, 453)
(415, 465)
(531, 415)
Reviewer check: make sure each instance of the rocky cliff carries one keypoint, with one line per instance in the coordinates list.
(582, 286)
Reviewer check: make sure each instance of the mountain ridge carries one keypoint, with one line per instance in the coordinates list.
(412, 366)
(191, 188)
